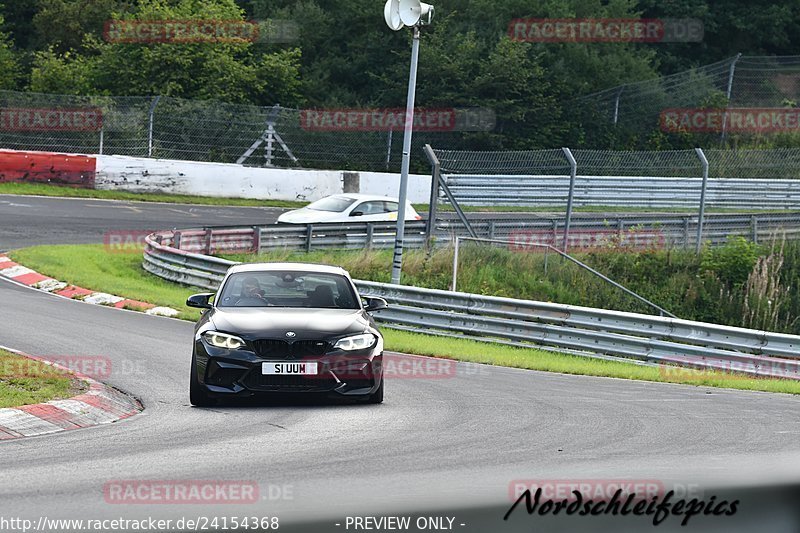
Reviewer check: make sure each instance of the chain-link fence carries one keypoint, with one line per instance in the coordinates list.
(637, 110)
(197, 130)
(202, 130)
(580, 199)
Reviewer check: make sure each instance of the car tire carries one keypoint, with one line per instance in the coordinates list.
(377, 396)
(197, 396)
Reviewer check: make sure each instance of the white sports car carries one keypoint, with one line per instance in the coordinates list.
(348, 208)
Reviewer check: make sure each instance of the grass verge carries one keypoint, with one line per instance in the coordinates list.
(93, 267)
(25, 381)
(41, 189)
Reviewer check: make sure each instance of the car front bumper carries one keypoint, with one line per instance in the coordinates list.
(226, 373)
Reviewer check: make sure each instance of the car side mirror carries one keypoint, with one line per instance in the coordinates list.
(356, 213)
(200, 300)
(374, 303)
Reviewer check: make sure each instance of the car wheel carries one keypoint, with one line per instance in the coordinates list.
(197, 396)
(377, 396)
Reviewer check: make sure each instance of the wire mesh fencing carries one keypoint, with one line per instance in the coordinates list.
(203, 130)
(620, 199)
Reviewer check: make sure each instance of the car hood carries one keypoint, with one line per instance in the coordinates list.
(304, 216)
(274, 322)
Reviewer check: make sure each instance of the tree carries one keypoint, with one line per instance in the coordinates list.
(8, 62)
(229, 71)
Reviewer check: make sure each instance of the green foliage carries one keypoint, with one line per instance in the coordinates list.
(232, 71)
(8, 62)
(346, 57)
(733, 262)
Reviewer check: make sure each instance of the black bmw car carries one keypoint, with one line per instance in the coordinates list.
(286, 328)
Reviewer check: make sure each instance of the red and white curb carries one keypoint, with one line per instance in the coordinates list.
(24, 275)
(101, 404)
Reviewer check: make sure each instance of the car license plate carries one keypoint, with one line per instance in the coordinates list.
(289, 368)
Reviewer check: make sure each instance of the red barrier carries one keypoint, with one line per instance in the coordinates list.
(47, 167)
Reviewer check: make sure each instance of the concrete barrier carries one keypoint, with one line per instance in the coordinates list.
(140, 174)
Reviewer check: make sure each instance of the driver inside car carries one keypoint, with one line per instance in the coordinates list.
(251, 288)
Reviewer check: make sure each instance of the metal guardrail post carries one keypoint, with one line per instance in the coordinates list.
(176, 240)
(309, 233)
(207, 244)
(370, 233)
(754, 228)
(573, 166)
(434, 198)
(704, 187)
(256, 239)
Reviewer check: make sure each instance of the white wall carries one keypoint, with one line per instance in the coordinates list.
(237, 181)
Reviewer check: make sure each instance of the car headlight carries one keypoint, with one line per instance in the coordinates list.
(223, 340)
(356, 342)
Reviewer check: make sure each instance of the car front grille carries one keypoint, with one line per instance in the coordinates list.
(257, 381)
(280, 349)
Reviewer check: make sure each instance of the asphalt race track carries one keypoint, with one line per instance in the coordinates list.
(29, 220)
(451, 443)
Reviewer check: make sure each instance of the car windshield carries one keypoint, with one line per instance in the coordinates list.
(335, 204)
(284, 288)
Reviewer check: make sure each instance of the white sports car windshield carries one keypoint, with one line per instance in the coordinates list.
(335, 204)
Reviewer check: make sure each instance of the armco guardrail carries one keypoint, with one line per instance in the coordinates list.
(677, 230)
(611, 191)
(530, 323)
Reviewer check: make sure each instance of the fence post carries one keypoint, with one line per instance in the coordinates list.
(434, 198)
(151, 114)
(309, 232)
(100, 148)
(754, 228)
(616, 104)
(573, 166)
(455, 265)
(686, 232)
(256, 239)
(208, 241)
(728, 94)
(388, 148)
(701, 215)
(370, 233)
